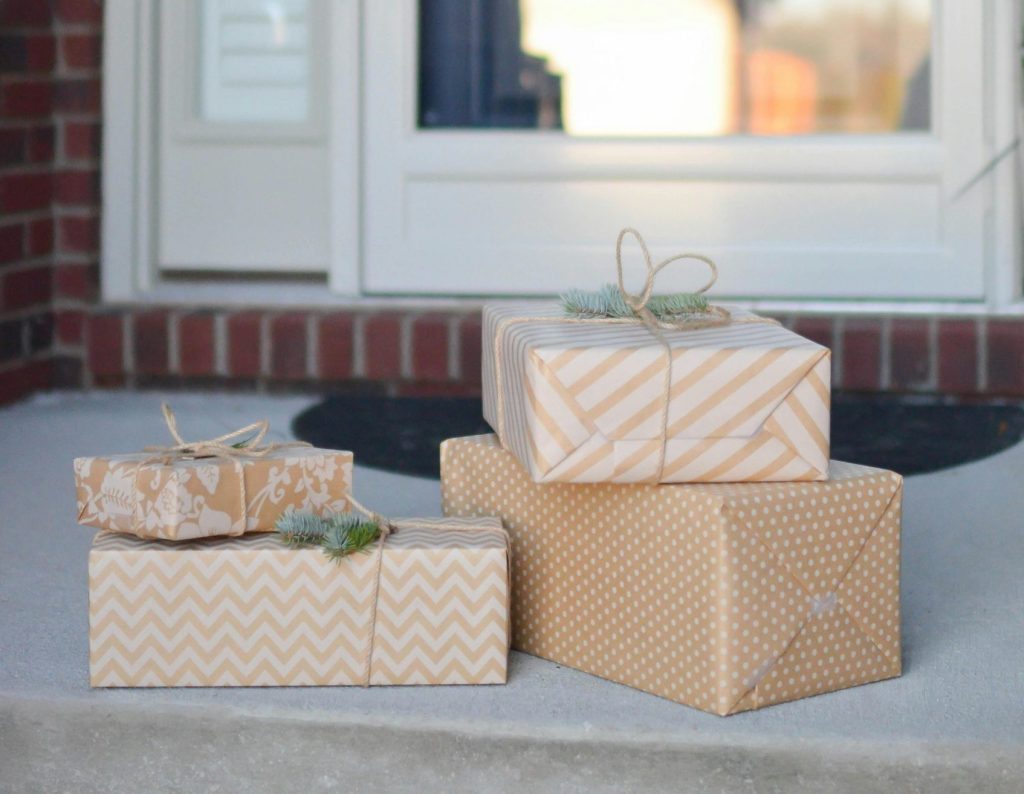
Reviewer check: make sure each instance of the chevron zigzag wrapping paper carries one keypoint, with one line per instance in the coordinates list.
(195, 498)
(725, 597)
(583, 402)
(249, 611)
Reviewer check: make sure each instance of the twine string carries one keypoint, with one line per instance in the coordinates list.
(387, 527)
(713, 316)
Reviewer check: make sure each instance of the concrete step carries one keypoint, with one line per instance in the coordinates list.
(954, 720)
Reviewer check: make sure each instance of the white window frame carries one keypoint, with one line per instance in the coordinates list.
(366, 198)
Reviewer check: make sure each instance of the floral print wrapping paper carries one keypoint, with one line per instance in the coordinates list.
(197, 498)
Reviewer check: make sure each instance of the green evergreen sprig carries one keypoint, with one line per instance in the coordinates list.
(608, 302)
(338, 535)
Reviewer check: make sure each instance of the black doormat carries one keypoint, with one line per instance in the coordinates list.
(910, 435)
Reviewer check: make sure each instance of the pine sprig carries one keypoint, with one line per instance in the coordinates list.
(608, 302)
(338, 535)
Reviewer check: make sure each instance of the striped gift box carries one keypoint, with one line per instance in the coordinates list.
(584, 402)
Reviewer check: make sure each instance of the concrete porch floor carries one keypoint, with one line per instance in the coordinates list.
(954, 720)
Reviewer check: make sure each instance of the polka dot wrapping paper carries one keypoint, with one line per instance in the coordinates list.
(725, 597)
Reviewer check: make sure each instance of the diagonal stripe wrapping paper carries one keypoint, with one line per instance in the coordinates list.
(726, 597)
(583, 402)
(249, 611)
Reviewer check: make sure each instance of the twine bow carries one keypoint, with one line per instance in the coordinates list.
(243, 442)
(387, 527)
(713, 315)
(710, 317)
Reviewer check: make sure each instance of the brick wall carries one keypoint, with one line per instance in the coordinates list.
(53, 333)
(49, 195)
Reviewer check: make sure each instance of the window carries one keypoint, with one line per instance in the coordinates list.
(817, 149)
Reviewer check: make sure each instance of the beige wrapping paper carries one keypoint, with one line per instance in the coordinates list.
(583, 401)
(193, 498)
(249, 611)
(722, 597)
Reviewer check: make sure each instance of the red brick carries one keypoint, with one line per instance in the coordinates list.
(437, 389)
(909, 363)
(24, 192)
(26, 99)
(430, 347)
(80, 234)
(67, 372)
(334, 357)
(69, 326)
(77, 96)
(817, 329)
(76, 281)
(12, 146)
(382, 346)
(244, 345)
(77, 187)
(12, 334)
(87, 12)
(288, 346)
(196, 349)
(40, 53)
(40, 332)
(1006, 357)
(81, 140)
(862, 355)
(81, 51)
(23, 288)
(149, 335)
(23, 381)
(40, 237)
(470, 332)
(105, 344)
(12, 246)
(958, 356)
(27, 53)
(25, 13)
(41, 144)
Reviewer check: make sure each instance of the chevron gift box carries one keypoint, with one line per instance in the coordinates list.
(722, 597)
(248, 611)
(584, 401)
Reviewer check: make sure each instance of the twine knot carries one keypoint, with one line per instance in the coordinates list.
(245, 442)
(713, 315)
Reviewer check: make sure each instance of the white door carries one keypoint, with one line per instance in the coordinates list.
(248, 139)
(814, 148)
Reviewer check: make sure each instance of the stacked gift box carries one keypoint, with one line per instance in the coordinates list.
(676, 522)
(658, 486)
(190, 586)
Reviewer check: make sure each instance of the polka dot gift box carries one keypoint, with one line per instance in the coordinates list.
(725, 597)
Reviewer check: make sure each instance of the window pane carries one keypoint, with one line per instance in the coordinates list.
(254, 60)
(676, 67)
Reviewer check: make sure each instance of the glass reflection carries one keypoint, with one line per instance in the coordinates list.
(676, 67)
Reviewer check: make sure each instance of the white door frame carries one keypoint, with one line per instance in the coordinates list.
(128, 264)
(475, 176)
(374, 159)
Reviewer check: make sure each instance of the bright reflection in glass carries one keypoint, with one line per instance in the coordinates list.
(254, 60)
(676, 67)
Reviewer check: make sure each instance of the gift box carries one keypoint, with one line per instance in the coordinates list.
(251, 611)
(587, 401)
(725, 597)
(186, 498)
